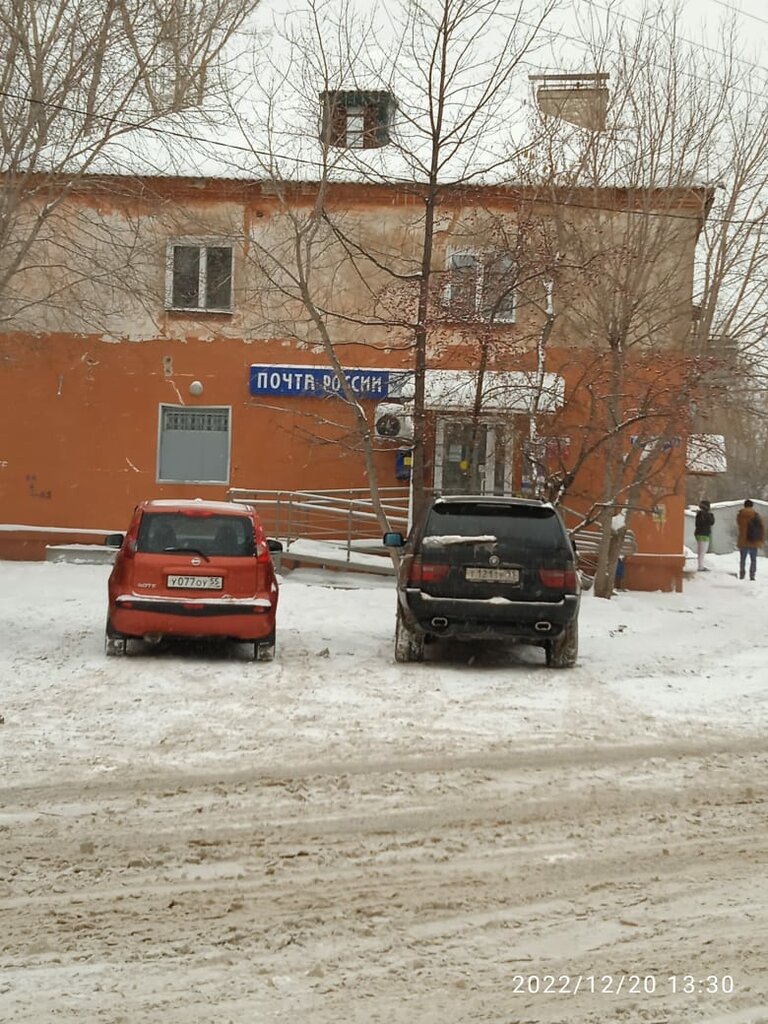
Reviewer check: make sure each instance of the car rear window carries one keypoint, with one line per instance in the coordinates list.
(455, 521)
(208, 534)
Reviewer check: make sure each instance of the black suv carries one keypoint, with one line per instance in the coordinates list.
(484, 567)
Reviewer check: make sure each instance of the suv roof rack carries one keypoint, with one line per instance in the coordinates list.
(490, 499)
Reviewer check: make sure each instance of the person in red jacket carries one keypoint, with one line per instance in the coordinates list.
(751, 537)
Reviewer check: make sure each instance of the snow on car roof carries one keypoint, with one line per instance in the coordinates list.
(491, 499)
(194, 504)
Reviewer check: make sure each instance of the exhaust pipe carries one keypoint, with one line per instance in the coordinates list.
(439, 622)
(543, 627)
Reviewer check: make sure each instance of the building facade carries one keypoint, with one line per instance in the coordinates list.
(191, 336)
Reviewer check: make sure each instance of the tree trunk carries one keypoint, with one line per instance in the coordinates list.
(610, 552)
(418, 466)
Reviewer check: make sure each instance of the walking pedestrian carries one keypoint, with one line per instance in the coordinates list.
(702, 530)
(751, 537)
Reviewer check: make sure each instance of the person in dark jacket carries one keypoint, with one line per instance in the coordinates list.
(751, 537)
(702, 530)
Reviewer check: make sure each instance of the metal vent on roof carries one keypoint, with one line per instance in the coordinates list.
(578, 99)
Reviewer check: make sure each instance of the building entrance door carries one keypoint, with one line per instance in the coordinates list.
(472, 457)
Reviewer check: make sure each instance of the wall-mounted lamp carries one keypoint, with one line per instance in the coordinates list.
(196, 388)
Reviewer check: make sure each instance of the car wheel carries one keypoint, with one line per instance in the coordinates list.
(115, 644)
(563, 651)
(409, 646)
(264, 650)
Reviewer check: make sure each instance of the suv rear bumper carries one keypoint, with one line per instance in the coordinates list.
(465, 618)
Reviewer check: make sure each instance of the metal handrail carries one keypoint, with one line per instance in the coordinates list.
(346, 518)
(342, 517)
(588, 541)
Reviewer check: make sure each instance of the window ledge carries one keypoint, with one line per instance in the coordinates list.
(197, 311)
(477, 321)
(194, 483)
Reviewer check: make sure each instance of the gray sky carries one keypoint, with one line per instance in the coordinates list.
(702, 21)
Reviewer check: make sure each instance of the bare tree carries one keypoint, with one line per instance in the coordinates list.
(75, 77)
(335, 271)
(685, 114)
(613, 274)
(623, 284)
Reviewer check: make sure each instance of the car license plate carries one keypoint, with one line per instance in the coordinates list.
(493, 575)
(195, 582)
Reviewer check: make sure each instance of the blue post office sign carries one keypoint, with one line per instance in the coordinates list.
(321, 381)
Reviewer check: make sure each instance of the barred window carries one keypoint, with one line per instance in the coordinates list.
(357, 119)
(194, 445)
(195, 419)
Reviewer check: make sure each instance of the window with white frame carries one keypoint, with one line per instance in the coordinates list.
(357, 119)
(199, 276)
(355, 128)
(481, 286)
(194, 444)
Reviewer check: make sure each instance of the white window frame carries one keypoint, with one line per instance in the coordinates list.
(481, 257)
(203, 244)
(355, 128)
(448, 297)
(493, 426)
(192, 408)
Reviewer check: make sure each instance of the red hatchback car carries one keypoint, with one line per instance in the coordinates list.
(193, 569)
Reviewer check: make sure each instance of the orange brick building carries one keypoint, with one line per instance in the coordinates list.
(177, 361)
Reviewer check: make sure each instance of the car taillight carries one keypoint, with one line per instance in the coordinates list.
(130, 548)
(260, 545)
(262, 552)
(560, 579)
(427, 572)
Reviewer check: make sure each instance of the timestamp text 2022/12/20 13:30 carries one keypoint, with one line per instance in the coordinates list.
(629, 984)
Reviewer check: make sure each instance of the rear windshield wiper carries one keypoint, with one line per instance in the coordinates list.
(191, 551)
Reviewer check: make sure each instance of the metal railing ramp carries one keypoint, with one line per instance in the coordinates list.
(337, 529)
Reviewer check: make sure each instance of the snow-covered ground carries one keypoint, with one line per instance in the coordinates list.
(189, 836)
(651, 665)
